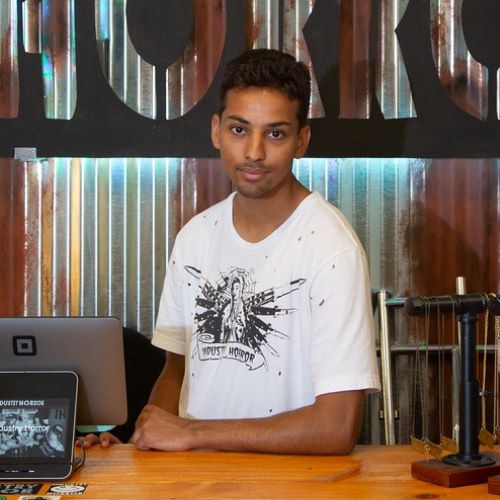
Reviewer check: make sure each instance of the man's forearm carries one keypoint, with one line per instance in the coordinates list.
(167, 388)
(329, 426)
(306, 430)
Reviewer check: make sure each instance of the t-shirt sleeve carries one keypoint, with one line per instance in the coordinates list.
(343, 355)
(170, 329)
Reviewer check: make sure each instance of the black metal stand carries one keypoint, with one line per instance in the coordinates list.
(467, 307)
(471, 465)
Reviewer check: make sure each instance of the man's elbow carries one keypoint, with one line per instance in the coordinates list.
(342, 446)
(347, 445)
(340, 422)
(341, 441)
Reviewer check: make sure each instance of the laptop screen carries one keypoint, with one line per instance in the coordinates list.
(37, 422)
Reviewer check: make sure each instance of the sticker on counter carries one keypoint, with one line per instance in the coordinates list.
(66, 489)
(19, 489)
(38, 497)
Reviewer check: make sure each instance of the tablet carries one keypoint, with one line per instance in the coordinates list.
(37, 425)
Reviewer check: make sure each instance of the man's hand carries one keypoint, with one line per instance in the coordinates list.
(105, 439)
(158, 429)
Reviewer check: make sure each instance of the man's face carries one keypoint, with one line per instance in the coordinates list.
(258, 136)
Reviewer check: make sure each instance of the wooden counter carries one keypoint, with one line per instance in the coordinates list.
(370, 472)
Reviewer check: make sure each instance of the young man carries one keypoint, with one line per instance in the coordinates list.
(265, 312)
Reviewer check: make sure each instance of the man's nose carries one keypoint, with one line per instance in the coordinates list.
(255, 150)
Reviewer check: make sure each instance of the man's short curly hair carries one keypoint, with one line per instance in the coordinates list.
(272, 69)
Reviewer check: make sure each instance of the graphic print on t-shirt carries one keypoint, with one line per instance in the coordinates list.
(232, 319)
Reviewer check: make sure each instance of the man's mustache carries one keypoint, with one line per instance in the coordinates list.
(252, 167)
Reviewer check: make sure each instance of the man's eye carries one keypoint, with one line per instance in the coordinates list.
(237, 130)
(276, 134)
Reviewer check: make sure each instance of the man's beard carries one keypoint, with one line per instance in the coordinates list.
(256, 190)
(252, 193)
(250, 189)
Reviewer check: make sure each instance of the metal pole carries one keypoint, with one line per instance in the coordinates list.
(385, 362)
(468, 455)
(461, 289)
(469, 410)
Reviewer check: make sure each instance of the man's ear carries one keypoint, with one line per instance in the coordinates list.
(214, 131)
(303, 142)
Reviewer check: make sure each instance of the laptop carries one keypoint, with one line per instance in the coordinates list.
(37, 425)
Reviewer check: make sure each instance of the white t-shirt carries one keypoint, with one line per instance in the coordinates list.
(266, 327)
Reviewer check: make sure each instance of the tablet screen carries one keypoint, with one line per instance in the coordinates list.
(34, 428)
(37, 424)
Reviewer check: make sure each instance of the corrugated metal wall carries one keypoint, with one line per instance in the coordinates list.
(98, 231)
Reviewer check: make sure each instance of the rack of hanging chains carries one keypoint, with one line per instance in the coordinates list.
(465, 464)
(420, 305)
(467, 307)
